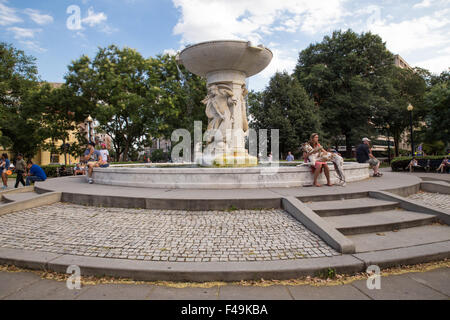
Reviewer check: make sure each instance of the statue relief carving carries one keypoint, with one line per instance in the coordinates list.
(219, 102)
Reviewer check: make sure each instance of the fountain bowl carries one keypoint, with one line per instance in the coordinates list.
(206, 57)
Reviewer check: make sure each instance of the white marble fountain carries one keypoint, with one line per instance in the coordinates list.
(226, 163)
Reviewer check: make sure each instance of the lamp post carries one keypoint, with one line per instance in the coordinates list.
(410, 109)
(389, 143)
(89, 120)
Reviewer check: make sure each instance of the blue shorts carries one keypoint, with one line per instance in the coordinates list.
(104, 165)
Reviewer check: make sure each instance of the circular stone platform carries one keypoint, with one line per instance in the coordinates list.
(221, 178)
(195, 244)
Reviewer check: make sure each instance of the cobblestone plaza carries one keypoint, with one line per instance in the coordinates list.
(161, 235)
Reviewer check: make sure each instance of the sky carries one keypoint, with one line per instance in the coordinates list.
(59, 31)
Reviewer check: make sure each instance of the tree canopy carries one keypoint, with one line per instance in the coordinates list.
(285, 105)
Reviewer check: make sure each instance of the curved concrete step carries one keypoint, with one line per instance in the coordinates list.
(351, 206)
(13, 197)
(403, 238)
(380, 221)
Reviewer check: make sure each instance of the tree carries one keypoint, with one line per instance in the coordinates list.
(401, 87)
(115, 86)
(285, 105)
(20, 126)
(437, 103)
(179, 99)
(60, 118)
(134, 98)
(340, 74)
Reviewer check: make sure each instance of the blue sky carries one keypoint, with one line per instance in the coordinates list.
(418, 30)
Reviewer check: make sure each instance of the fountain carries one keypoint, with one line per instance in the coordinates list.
(226, 65)
(225, 164)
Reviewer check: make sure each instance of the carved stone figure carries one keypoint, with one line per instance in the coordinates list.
(219, 102)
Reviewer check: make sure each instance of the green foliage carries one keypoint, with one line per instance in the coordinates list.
(342, 74)
(134, 98)
(437, 102)
(329, 273)
(159, 155)
(20, 129)
(435, 147)
(400, 88)
(284, 105)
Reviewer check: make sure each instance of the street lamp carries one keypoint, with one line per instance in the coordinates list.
(410, 109)
(89, 120)
(389, 143)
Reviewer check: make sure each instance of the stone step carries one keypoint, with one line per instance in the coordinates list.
(333, 197)
(13, 197)
(351, 206)
(410, 237)
(380, 221)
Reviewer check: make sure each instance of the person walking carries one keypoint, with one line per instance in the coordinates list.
(364, 155)
(35, 173)
(317, 165)
(20, 170)
(4, 167)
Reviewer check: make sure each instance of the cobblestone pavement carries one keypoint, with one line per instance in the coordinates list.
(161, 235)
(433, 199)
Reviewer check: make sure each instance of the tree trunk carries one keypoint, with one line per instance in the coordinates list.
(348, 146)
(396, 137)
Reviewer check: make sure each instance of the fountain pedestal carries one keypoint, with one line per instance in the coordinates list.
(226, 65)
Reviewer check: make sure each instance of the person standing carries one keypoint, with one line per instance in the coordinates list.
(318, 166)
(4, 167)
(35, 173)
(364, 155)
(20, 170)
(290, 157)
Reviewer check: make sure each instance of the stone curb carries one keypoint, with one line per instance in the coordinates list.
(412, 205)
(41, 200)
(435, 187)
(224, 271)
(406, 256)
(318, 225)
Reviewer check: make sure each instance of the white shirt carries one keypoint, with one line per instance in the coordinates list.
(105, 155)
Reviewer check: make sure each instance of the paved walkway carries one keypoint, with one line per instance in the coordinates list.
(431, 285)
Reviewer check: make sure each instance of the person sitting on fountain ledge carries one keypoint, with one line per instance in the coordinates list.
(318, 166)
(93, 158)
(364, 155)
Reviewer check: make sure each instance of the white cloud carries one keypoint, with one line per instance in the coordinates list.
(22, 33)
(170, 52)
(38, 17)
(436, 64)
(423, 4)
(8, 15)
(415, 34)
(32, 45)
(203, 20)
(283, 60)
(93, 18)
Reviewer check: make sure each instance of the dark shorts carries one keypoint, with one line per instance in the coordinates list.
(104, 165)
